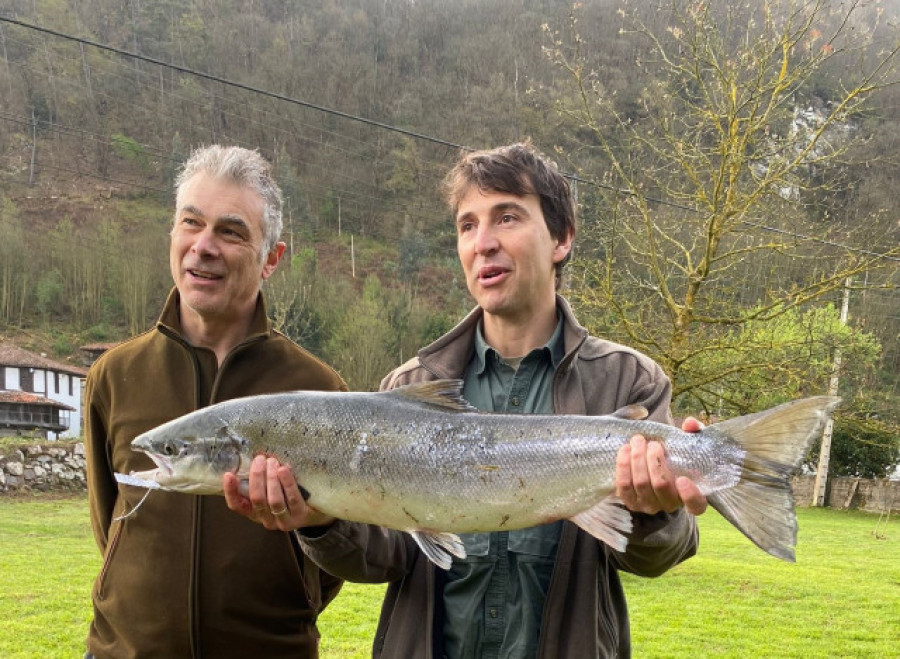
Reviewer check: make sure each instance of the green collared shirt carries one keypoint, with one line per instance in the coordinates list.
(494, 598)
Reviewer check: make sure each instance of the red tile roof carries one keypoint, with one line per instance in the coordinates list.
(7, 396)
(13, 355)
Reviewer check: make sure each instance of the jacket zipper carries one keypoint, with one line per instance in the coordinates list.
(110, 552)
(194, 595)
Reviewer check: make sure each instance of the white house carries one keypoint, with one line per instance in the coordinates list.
(24, 371)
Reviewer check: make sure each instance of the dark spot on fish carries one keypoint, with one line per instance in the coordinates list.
(409, 514)
(504, 520)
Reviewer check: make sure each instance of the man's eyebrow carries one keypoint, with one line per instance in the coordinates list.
(193, 210)
(235, 220)
(509, 206)
(497, 208)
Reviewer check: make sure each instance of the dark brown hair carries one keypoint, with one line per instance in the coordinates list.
(517, 169)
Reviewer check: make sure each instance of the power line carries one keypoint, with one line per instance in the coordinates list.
(239, 85)
(409, 133)
(345, 193)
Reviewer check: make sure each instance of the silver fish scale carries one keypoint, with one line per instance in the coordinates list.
(412, 464)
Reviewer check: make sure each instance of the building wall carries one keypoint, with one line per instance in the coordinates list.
(45, 384)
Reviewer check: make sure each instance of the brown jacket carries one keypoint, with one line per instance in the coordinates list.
(184, 576)
(585, 614)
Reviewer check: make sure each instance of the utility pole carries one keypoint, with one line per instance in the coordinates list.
(825, 452)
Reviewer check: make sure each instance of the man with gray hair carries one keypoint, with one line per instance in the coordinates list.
(184, 577)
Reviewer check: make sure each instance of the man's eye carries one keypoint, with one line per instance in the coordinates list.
(465, 227)
(507, 218)
(232, 234)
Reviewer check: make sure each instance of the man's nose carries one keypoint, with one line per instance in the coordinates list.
(486, 239)
(205, 244)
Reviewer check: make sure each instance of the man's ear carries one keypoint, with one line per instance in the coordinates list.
(563, 247)
(272, 259)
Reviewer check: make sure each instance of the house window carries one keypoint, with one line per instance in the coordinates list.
(26, 379)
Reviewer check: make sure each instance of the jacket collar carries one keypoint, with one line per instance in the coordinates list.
(449, 356)
(170, 320)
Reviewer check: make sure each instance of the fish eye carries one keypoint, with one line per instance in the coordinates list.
(169, 448)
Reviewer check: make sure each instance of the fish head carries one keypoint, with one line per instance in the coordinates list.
(192, 461)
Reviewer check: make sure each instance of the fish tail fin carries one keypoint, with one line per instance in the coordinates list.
(761, 505)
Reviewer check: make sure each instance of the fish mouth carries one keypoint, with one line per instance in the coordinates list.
(163, 473)
(163, 464)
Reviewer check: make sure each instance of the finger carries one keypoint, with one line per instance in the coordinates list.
(690, 424)
(233, 498)
(274, 492)
(624, 485)
(640, 472)
(694, 501)
(289, 487)
(257, 489)
(661, 479)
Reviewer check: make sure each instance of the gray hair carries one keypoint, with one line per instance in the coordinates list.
(243, 167)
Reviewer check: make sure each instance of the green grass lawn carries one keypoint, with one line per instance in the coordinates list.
(841, 598)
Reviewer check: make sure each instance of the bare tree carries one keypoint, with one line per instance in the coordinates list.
(746, 113)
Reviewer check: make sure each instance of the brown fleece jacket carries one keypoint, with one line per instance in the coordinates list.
(184, 576)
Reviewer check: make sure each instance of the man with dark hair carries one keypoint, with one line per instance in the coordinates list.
(551, 591)
(184, 577)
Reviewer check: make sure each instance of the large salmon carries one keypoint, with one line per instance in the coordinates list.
(421, 460)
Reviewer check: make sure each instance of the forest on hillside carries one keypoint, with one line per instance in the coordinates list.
(735, 164)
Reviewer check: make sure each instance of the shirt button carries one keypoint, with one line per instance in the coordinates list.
(493, 613)
(515, 401)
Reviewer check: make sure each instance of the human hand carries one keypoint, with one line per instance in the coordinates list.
(645, 484)
(273, 498)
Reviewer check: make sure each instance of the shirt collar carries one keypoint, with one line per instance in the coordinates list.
(484, 352)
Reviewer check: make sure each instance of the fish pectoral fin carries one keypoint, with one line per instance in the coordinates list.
(607, 521)
(439, 547)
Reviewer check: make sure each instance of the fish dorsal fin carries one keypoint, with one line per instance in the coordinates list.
(631, 413)
(439, 547)
(446, 394)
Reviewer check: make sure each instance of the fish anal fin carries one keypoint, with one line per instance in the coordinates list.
(607, 521)
(446, 394)
(439, 547)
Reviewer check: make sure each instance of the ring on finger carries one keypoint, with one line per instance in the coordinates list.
(280, 513)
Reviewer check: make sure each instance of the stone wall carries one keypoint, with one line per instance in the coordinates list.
(42, 467)
(874, 496)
